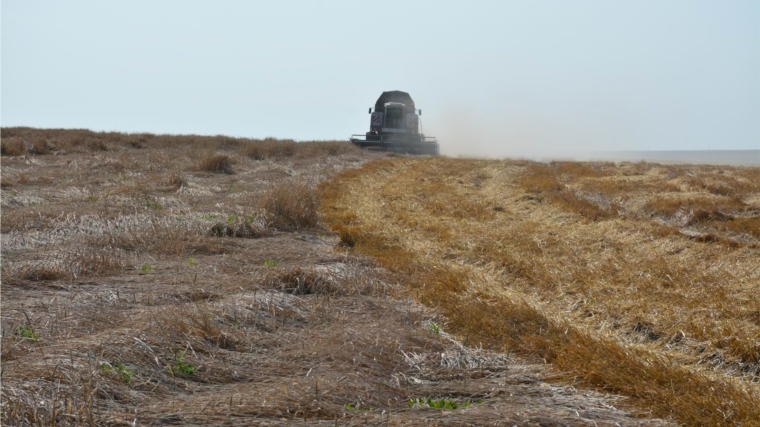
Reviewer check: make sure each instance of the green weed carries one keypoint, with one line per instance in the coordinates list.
(437, 404)
(26, 331)
(358, 407)
(119, 371)
(435, 328)
(182, 367)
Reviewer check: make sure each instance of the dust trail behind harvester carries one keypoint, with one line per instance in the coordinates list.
(511, 133)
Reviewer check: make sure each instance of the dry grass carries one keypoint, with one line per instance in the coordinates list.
(12, 148)
(240, 228)
(96, 144)
(216, 163)
(326, 148)
(628, 289)
(747, 226)
(536, 182)
(707, 203)
(278, 149)
(136, 294)
(176, 181)
(300, 281)
(44, 141)
(270, 148)
(544, 180)
(670, 206)
(78, 261)
(291, 206)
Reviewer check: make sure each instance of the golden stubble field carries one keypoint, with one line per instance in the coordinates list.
(189, 280)
(634, 278)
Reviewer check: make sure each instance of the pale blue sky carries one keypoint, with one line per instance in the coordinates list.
(495, 77)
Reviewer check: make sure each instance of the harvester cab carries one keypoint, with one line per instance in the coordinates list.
(395, 126)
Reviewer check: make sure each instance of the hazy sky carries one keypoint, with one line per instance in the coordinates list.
(496, 78)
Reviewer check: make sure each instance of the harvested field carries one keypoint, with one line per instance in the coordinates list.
(634, 278)
(188, 280)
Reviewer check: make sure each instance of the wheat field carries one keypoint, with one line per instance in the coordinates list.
(635, 278)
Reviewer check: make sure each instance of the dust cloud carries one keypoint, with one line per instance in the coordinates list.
(520, 133)
(523, 134)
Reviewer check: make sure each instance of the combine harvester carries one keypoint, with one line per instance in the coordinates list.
(395, 126)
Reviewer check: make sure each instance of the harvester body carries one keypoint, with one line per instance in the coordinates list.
(395, 126)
